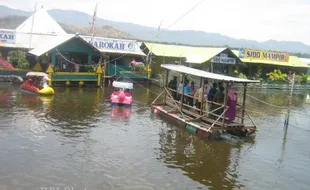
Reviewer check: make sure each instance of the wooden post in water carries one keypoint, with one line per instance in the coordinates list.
(202, 82)
(166, 84)
(286, 122)
(243, 103)
(182, 96)
(225, 101)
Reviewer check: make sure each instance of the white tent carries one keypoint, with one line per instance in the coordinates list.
(40, 23)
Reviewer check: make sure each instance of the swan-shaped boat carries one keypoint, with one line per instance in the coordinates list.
(36, 84)
(122, 94)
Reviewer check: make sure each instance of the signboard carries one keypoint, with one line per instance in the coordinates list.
(112, 44)
(223, 59)
(263, 55)
(7, 36)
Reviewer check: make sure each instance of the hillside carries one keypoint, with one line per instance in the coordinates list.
(189, 37)
(12, 22)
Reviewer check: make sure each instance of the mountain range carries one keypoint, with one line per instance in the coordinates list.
(144, 33)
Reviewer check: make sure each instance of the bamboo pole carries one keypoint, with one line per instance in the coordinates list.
(225, 100)
(182, 96)
(158, 97)
(250, 118)
(166, 84)
(180, 109)
(243, 103)
(217, 119)
(202, 96)
(205, 114)
(287, 119)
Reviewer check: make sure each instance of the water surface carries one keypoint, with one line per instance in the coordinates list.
(75, 139)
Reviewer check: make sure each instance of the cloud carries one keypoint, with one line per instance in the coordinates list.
(256, 20)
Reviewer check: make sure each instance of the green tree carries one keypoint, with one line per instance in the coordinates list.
(18, 59)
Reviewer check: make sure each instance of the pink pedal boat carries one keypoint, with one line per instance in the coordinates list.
(122, 95)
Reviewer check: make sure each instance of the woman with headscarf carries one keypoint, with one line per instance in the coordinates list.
(230, 114)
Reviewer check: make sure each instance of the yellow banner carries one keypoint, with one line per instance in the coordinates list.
(264, 55)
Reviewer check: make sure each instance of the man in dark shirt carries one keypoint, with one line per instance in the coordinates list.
(212, 92)
(173, 85)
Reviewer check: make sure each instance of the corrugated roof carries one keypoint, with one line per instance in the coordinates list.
(122, 52)
(41, 23)
(306, 60)
(293, 61)
(192, 54)
(205, 74)
(50, 44)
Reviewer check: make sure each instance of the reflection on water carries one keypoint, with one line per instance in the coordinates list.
(121, 112)
(75, 138)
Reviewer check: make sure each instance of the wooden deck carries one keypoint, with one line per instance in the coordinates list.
(201, 126)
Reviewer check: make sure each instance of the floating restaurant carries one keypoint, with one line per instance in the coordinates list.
(223, 60)
(267, 61)
(213, 59)
(70, 59)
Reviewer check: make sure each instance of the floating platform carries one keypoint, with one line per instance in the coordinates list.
(209, 124)
(202, 128)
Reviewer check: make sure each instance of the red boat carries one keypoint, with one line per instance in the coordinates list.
(122, 94)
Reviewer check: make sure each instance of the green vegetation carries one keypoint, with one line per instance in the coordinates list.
(302, 79)
(277, 75)
(239, 75)
(18, 59)
(138, 67)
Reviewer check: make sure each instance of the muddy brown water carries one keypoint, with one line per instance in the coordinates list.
(76, 140)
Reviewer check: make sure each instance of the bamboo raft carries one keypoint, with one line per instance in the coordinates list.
(198, 121)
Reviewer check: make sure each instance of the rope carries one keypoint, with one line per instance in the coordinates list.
(139, 76)
(141, 86)
(182, 16)
(281, 107)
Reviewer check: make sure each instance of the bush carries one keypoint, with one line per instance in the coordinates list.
(302, 79)
(138, 67)
(18, 59)
(277, 75)
(240, 75)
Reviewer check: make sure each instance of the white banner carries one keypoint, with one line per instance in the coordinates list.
(113, 44)
(223, 60)
(7, 36)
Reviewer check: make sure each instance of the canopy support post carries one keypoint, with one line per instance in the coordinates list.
(202, 84)
(182, 96)
(243, 102)
(225, 100)
(166, 84)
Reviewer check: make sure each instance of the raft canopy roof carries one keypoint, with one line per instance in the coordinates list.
(205, 74)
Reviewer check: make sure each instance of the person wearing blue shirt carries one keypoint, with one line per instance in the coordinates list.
(187, 91)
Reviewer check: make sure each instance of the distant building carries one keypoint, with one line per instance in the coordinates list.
(40, 31)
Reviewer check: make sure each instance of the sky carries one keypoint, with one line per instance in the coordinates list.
(282, 20)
